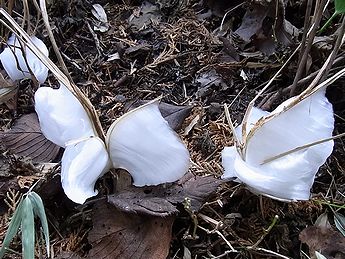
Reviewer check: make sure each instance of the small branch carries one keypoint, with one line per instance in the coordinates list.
(266, 231)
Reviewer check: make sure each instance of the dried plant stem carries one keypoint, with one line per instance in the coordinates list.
(305, 94)
(252, 102)
(266, 105)
(302, 147)
(335, 50)
(303, 43)
(309, 42)
(52, 39)
(266, 231)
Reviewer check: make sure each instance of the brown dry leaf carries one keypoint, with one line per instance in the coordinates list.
(257, 25)
(144, 16)
(161, 200)
(120, 235)
(67, 255)
(26, 139)
(173, 114)
(326, 241)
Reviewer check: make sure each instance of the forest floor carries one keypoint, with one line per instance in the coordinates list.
(196, 55)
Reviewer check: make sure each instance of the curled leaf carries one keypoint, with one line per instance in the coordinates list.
(82, 164)
(13, 60)
(287, 177)
(142, 143)
(62, 117)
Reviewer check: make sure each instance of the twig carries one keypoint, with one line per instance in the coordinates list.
(95, 38)
(271, 252)
(268, 103)
(310, 37)
(303, 43)
(336, 48)
(232, 9)
(302, 147)
(52, 39)
(221, 235)
(266, 231)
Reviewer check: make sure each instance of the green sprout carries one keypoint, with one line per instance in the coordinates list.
(339, 9)
(24, 217)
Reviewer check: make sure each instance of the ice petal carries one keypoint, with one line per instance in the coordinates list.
(142, 142)
(61, 115)
(289, 177)
(82, 164)
(12, 59)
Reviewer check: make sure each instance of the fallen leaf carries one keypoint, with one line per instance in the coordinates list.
(328, 242)
(26, 139)
(161, 200)
(102, 21)
(120, 235)
(147, 14)
(67, 255)
(173, 114)
(257, 24)
(99, 13)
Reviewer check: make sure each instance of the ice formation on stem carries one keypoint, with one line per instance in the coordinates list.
(15, 62)
(290, 176)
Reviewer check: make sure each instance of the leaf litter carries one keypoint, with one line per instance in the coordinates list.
(164, 56)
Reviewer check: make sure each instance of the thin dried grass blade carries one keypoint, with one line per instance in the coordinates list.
(302, 147)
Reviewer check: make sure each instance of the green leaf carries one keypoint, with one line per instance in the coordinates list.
(339, 221)
(339, 6)
(12, 228)
(28, 230)
(40, 212)
(339, 9)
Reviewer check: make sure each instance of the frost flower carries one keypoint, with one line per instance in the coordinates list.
(61, 115)
(289, 176)
(82, 164)
(143, 143)
(13, 61)
(64, 121)
(140, 141)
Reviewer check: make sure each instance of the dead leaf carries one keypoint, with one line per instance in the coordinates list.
(67, 255)
(102, 21)
(120, 235)
(147, 14)
(26, 139)
(257, 24)
(173, 114)
(161, 200)
(328, 242)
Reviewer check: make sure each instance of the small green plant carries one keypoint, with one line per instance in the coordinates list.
(339, 9)
(24, 218)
